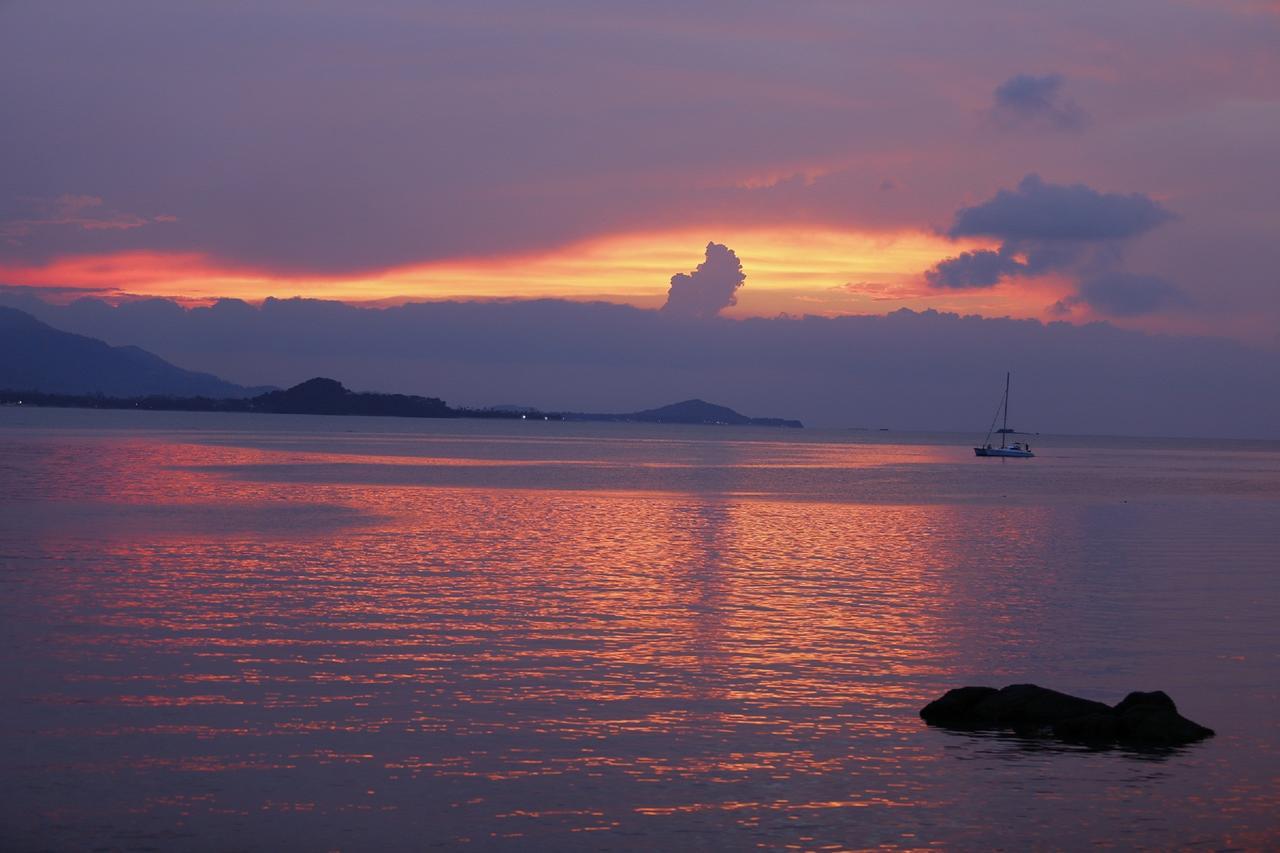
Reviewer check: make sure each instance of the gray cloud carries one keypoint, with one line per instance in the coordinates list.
(1040, 211)
(1031, 100)
(987, 268)
(710, 288)
(982, 268)
(1061, 228)
(1122, 294)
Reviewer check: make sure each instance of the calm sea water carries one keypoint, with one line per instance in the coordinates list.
(286, 633)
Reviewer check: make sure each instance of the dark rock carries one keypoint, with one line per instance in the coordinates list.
(954, 706)
(1153, 719)
(1091, 728)
(1027, 705)
(1156, 698)
(1154, 725)
(1141, 719)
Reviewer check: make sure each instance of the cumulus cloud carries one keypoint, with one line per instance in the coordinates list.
(982, 268)
(1036, 101)
(1066, 228)
(1061, 228)
(1122, 294)
(1038, 210)
(710, 288)
(1044, 228)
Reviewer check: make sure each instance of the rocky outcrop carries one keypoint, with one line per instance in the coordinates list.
(1141, 719)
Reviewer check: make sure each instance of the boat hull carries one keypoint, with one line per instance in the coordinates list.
(1003, 452)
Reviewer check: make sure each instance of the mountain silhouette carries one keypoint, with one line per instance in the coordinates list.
(322, 396)
(41, 365)
(38, 357)
(686, 412)
(702, 412)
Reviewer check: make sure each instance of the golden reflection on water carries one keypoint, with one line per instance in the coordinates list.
(540, 659)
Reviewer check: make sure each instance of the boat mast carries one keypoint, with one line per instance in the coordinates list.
(1005, 432)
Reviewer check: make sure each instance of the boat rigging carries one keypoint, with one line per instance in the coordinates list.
(1007, 450)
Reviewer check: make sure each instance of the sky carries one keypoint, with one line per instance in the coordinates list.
(1092, 162)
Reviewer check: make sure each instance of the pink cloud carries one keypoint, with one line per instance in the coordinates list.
(83, 212)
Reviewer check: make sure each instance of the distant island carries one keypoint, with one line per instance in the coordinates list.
(44, 366)
(687, 412)
(321, 396)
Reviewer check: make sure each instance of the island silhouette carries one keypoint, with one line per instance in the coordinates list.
(44, 366)
(324, 396)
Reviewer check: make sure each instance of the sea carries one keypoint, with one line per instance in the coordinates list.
(225, 632)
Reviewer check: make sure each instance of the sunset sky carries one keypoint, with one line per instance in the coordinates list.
(1085, 161)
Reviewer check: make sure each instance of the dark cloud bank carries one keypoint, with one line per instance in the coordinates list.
(905, 370)
(1121, 294)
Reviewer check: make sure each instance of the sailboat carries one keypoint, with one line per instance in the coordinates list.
(1014, 450)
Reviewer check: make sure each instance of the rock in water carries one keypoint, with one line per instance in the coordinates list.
(1029, 706)
(1137, 699)
(1152, 718)
(1100, 728)
(1016, 706)
(955, 706)
(1143, 719)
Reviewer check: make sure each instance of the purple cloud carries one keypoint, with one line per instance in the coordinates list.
(1040, 211)
(1046, 227)
(981, 268)
(1061, 228)
(710, 288)
(1036, 101)
(1122, 294)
